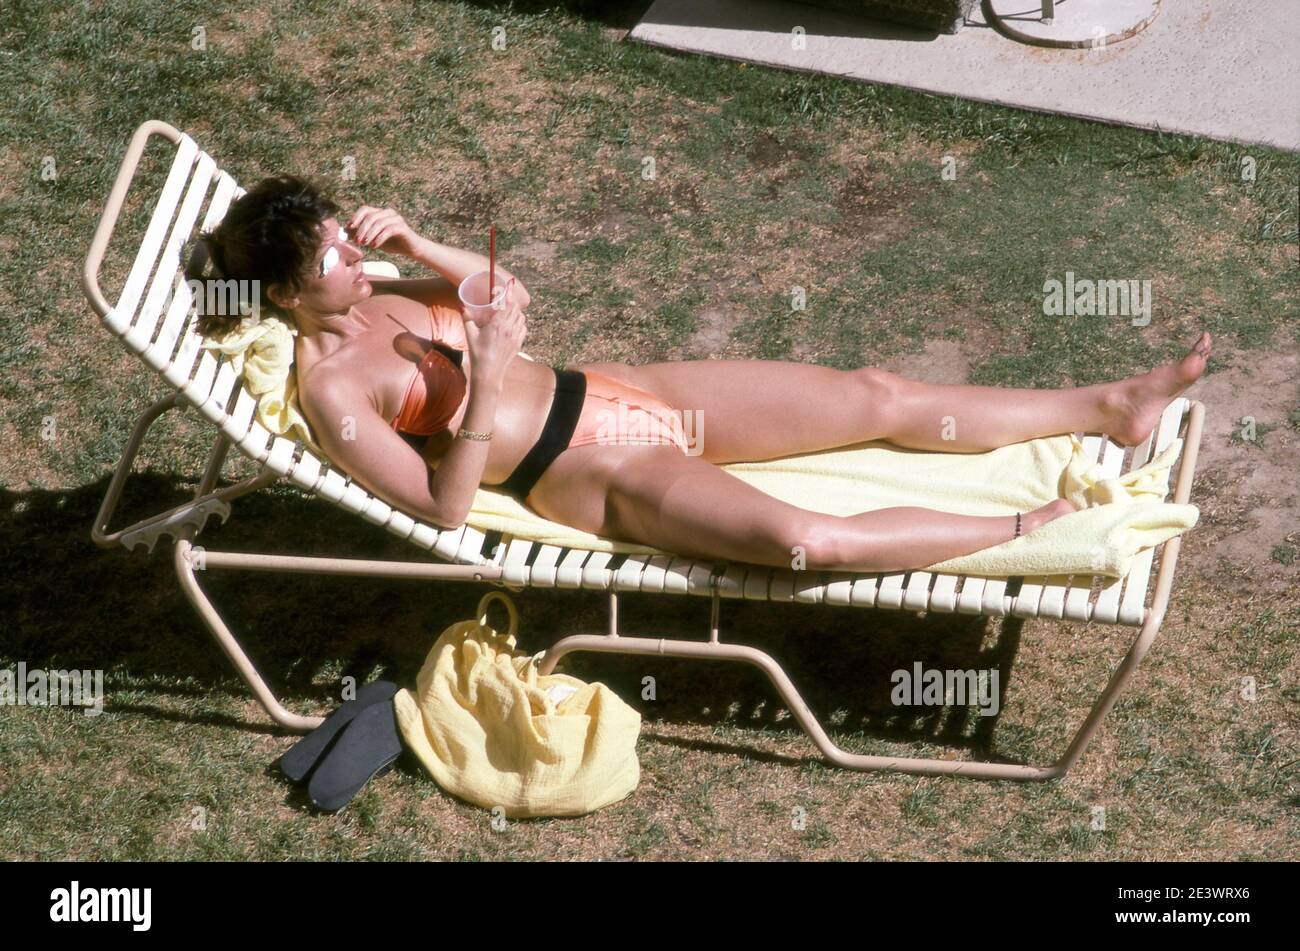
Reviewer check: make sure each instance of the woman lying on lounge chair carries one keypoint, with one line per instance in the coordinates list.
(395, 378)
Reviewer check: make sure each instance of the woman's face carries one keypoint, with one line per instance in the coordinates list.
(334, 279)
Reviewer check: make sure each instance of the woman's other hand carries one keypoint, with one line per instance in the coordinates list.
(383, 229)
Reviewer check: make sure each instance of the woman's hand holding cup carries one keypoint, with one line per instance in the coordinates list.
(495, 332)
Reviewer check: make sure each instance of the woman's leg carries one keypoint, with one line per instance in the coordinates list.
(659, 497)
(934, 416)
(752, 410)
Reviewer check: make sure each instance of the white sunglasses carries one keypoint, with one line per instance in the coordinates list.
(331, 257)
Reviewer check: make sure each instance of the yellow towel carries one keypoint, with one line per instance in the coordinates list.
(1117, 519)
(492, 731)
(261, 351)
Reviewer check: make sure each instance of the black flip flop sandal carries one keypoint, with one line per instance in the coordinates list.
(303, 756)
(367, 747)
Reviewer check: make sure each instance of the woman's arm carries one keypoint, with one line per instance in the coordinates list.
(386, 230)
(460, 470)
(456, 264)
(361, 443)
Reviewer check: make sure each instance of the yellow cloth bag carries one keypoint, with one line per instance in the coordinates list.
(492, 731)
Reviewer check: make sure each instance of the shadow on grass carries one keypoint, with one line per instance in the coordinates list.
(73, 605)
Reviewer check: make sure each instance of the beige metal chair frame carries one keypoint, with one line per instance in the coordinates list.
(152, 318)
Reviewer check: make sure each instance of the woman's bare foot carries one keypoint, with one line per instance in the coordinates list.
(1133, 406)
(1032, 521)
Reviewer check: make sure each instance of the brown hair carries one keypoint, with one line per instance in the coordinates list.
(270, 234)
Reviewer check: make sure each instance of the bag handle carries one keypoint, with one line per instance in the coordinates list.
(510, 606)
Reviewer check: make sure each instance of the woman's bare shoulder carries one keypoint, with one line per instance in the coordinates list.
(364, 366)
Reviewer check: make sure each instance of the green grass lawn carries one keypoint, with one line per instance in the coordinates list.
(765, 181)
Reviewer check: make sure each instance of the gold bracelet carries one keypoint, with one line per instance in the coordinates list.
(470, 434)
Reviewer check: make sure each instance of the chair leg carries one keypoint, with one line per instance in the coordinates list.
(207, 611)
(203, 605)
(918, 766)
(803, 715)
(1119, 682)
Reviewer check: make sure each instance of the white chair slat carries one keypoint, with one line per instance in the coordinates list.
(1048, 592)
(916, 597)
(970, 599)
(255, 443)
(421, 534)
(376, 510)
(306, 472)
(568, 574)
(220, 204)
(498, 556)
(1078, 598)
(120, 318)
(545, 566)
(596, 574)
(809, 587)
(240, 421)
(758, 584)
(449, 544)
(943, 596)
(1112, 459)
(158, 354)
(865, 590)
(677, 575)
(402, 525)
(1051, 596)
(162, 290)
(441, 543)
(839, 589)
(699, 577)
(332, 485)
(994, 598)
(780, 585)
(1106, 607)
(470, 549)
(179, 370)
(731, 582)
(280, 457)
(1132, 607)
(515, 569)
(890, 594)
(199, 388)
(1026, 602)
(168, 273)
(629, 574)
(224, 384)
(655, 575)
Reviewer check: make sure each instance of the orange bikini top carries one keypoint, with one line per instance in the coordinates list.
(437, 386)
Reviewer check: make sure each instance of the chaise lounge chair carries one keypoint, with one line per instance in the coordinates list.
(152, 318)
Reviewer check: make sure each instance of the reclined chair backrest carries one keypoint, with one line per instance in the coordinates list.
(155, 318)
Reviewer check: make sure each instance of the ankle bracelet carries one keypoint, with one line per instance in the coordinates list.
(1017, 535)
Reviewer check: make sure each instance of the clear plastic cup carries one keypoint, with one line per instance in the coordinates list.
(474, 295)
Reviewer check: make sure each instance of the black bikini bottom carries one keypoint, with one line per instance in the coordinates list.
(561, 421)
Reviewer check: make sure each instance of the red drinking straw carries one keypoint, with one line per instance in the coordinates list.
(492, 261)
